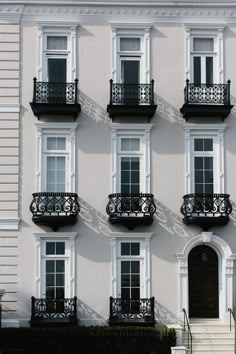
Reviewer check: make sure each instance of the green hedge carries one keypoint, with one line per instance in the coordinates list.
(87, 340)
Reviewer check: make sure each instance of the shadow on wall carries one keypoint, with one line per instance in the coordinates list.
(168, 112)
(87, 314)
(92, 109)
(164, 316)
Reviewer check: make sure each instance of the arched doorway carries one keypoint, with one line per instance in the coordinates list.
(203, 278)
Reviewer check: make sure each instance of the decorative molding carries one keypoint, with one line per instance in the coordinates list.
(9, 223)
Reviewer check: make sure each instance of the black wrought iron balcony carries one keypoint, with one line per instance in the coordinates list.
(132, 312)
(55, 209)
(131, 209)
(206, 210)
(206, 100)
(53, 312)
(55, 98)
(131, 100)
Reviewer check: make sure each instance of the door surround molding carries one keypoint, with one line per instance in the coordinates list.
(226, 271)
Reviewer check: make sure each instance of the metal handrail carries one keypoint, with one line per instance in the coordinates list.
(186, 321)
(231, 316)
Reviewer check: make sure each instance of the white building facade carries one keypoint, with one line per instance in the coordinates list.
(117, 162)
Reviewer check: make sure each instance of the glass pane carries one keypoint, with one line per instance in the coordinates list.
(125, 248)
(50, 266)
(125, 176)
(130, 72)
(135, 281)
(125, 280)
(125, 188)
(125, 163)
(49, 293)
(203, 44)
(60, 248)
(135, 144)
(60, 279)
(208, 176)
(50, 247)
(135, 163)
(199, 188)
(50, 280)
(198, 144)
(61, 163)
(125, 267)
(125, 293)
(198, 163)
(209, 188)
(125, 144)
(135, 249)
(135, 267)
(208, 163)
(208, 144)
(61, 143)
(57, 42)
(57, 70)
(135, 293)
(135, 177)
(130, 44)
(51, 143)
(60, 266)
(60, 293)
(51, 162)
(197, 70)
(134, 188)
(198, 176)
(209, 70)
(50, 177)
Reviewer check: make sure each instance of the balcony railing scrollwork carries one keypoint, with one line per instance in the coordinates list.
(206, 100)
(55, 98)
(206, 210)
(53, 311)
(132, 311)
(131, 209)
(55, 209)
(130, 99)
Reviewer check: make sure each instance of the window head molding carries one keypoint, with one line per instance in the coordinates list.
(141, 31)
(141, 131)
(69, 239)
(66, 130)
(205, 130)
(213, 31)
(144, 238)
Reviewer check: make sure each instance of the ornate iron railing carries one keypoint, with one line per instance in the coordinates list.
(130, 204)
(45, 204)
(131, 94)
(131, 309)
(53, 309)
(216, 205)
(207, 93)
(55, 92)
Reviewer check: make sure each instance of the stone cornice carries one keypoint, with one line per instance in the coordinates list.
(181, 12)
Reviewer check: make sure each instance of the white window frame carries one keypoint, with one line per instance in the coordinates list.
(66, 30)
(69, 239)
(131, 31)
(202, 31)
(141, 131)
(201, 131)
(45, 130)
(144, 238)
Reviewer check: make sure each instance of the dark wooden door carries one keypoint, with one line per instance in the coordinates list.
(203, 283)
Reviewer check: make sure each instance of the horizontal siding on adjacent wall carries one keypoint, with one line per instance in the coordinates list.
(9, 123)
(9, 274)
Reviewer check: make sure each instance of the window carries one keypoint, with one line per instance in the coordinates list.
(55, 266)
(204, 158)
(131, 54)
(131, 265)
(131, 158)
(57, 53)
(56, 157)
(204, 54)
